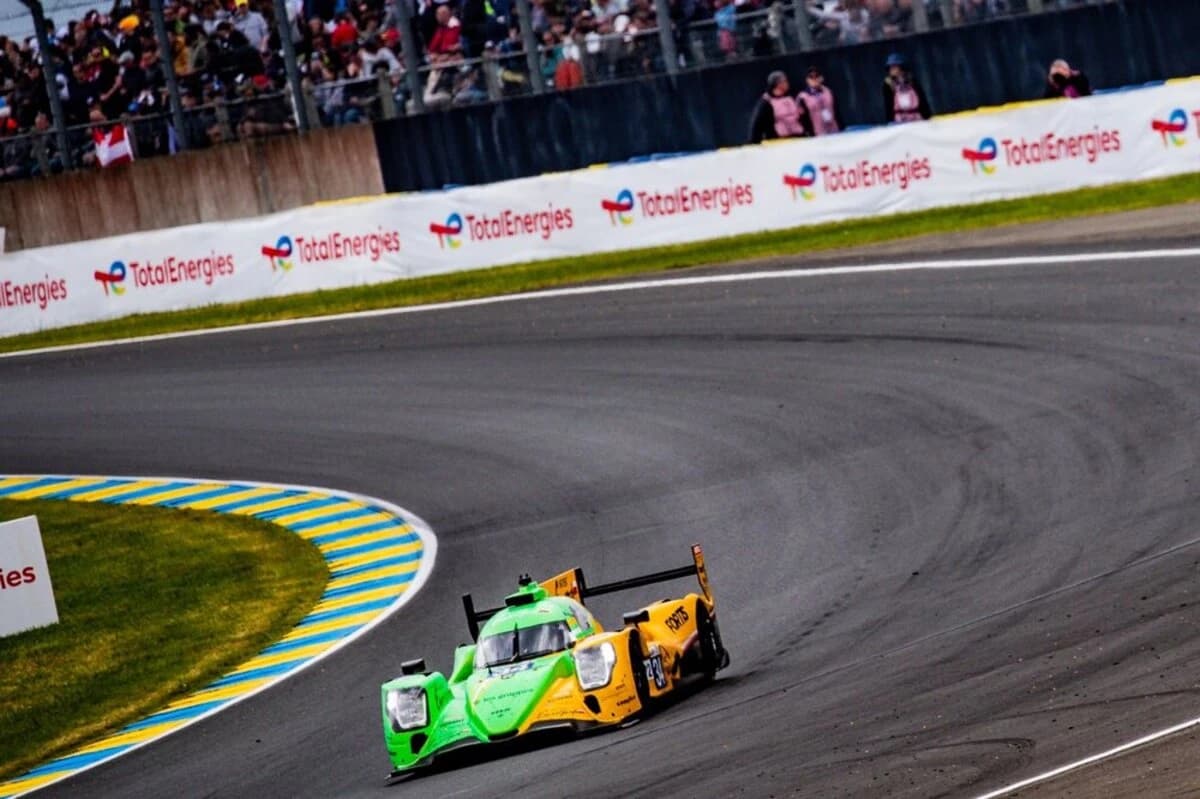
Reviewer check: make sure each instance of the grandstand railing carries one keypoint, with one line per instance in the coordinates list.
(587, 59)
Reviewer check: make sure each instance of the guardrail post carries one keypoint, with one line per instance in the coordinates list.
(131, 134)
(222, 114)
(947, 13)
(666, 36)
(533, 58)
(410, 54)
(775, 26)
(387, 101)
(39, 152)
(920, 17)
(167, 57)
(289, 65)
(48, 72)
(804, 24)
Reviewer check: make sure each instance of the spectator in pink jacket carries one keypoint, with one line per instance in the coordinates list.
(903, 98)
(1063, 81)
(777, 114)
(819, 101)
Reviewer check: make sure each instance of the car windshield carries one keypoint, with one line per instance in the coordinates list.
(522, 644)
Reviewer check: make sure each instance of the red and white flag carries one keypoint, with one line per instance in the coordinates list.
(112, 147)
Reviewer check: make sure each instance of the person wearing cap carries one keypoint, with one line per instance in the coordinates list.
(903, 98)
(819, 101)
(777, 115)
(251, 24)
(1063, 81)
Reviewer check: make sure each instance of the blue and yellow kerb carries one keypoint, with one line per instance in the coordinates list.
(376, 555)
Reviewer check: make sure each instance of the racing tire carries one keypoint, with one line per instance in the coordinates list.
(711, 653)
(637, 664)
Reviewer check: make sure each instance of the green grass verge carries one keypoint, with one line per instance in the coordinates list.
(546, 274)
(153, 603)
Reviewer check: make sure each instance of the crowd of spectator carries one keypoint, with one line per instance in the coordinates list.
(228, 58)
(814, 110)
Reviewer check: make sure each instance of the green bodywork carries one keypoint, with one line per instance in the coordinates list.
(485, 704)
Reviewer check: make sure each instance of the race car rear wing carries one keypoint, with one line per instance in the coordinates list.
(572, 584)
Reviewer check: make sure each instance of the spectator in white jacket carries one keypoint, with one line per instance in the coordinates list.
(251, 24)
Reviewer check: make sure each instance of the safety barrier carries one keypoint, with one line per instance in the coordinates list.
(1018, 151)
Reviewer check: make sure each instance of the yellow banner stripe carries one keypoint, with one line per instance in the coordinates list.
(213, 694)
(375, 574)
(9, 482)
(354, 599)
(166, 496)
(324, 627)
(346, 524)
(293, 654)
(379, 554)
(263, 507)
(250, 493)
(316, 513)
(331, 548)
(30, 783)
(131, 737)
(33, 493)
(105, 493)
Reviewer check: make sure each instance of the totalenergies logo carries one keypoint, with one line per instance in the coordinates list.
(1172, 128)
(279, 256)
(982, 157)
(448, 233)
(112, 279)
(619, 210)
(802, 182)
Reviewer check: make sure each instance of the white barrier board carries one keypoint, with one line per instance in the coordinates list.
(26, 595)
(998, 154)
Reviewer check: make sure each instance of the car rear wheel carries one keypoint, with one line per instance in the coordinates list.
(712, 654)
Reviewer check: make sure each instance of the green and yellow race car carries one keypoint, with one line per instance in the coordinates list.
(544, 662)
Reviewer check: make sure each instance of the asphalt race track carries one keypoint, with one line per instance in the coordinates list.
(951, 517)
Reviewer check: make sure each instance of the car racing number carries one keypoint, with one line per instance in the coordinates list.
(654, 671)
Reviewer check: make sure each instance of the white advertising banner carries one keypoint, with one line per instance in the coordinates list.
(1018, 151)
(26, 595)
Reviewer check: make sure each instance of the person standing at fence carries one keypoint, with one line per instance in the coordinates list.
(777, 115)
(820, 103)
(251, 24)
(1063, 81)
(903, 98)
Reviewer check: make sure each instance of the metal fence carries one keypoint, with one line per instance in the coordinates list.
(583, 57)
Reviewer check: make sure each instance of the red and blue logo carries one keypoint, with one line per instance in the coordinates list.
(1172, 128)
(620, 209)
(982, 157)
(112, 279)
(279, 256)
(448, 233)
(803, 182)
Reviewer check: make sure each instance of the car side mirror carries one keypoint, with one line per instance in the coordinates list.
(635, 618)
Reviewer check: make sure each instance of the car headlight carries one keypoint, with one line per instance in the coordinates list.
(407, 708)
(594, 665)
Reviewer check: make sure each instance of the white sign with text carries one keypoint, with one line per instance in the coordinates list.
(999, 154)
(26, 595)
